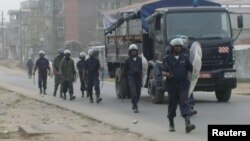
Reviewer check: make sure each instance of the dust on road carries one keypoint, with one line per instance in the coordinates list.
(17, 110)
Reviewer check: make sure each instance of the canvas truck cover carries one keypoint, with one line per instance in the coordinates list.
(114, 18)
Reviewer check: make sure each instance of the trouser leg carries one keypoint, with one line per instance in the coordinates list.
(71, 90)
(97, 89)
(44, 83)
(172, 102)
(90, 89)
(185, 109)
(65, 89)
(138, 90)
(40, 85)
(184, 102)
(133, 91)
(57, 83)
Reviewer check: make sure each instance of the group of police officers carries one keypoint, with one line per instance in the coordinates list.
(65, 74)
(176, 68)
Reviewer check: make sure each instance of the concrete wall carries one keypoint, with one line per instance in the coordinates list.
(242, 64)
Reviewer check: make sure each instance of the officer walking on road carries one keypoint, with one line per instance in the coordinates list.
(133, 69)
(176, 67)
(92, 66)
(56, 65)
(30, 65)
(81, 67)
(68, 74)
(43, 70)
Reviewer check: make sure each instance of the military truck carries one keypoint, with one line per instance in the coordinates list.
(152, 24)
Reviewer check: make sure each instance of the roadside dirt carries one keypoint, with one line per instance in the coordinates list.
(242, 89)
(17, 110)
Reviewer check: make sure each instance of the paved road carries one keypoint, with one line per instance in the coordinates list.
(152, 121)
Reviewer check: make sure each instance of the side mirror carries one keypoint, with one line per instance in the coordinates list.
(240, 21)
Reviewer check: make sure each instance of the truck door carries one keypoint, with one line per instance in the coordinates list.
(159, 37)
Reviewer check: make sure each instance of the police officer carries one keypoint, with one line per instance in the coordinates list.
(133, 70)
(186, 52)
(176, 68)
(92, 66)
(81, 66)
(30, 65)
(43, 70)
(56, 65)
(68, 74)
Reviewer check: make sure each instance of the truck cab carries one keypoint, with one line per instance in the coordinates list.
(211, 27)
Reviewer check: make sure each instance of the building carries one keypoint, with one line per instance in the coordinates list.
(83, 19)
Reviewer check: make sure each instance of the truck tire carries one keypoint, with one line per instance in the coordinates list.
(121, 87)
(157, 95)
(223, 95)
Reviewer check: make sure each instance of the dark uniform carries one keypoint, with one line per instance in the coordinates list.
(30, 65)
(179, 84)
(133, 68)
(43, 67)
(68, 75)
(92, 66)
(81, 66)
(178, 87)
(58, 81)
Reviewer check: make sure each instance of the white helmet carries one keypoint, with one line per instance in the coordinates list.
(61, 51)
(41, 52)
(176, 42)
(82, 55)
(66, 52)
(133, 47)
(90, 52)
(185, 40)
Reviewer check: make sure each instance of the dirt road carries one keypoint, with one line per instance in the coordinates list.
(17, 111)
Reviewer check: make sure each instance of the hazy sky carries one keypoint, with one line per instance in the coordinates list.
(6, 5)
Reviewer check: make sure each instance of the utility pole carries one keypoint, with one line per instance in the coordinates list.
(3, 36)
(54, 32)
(20, 38)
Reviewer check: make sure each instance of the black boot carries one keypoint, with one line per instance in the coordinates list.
(193, 112)
(189, 126)
(98, 99)
(41, 91)
(61, 95)
(82, 94)
(91, 99)
(54, 93)
(72, 97)
(171, 125)
(64, 96)
(135, 108)
(44, 92)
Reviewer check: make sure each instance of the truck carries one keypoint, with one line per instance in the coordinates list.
(151, 25)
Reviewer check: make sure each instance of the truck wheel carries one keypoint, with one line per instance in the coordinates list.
(223, 95)
(121, 87)
(157, 95)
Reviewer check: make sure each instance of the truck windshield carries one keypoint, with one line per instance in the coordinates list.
(199, 25)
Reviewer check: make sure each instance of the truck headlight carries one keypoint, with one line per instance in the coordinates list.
(230, 75)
